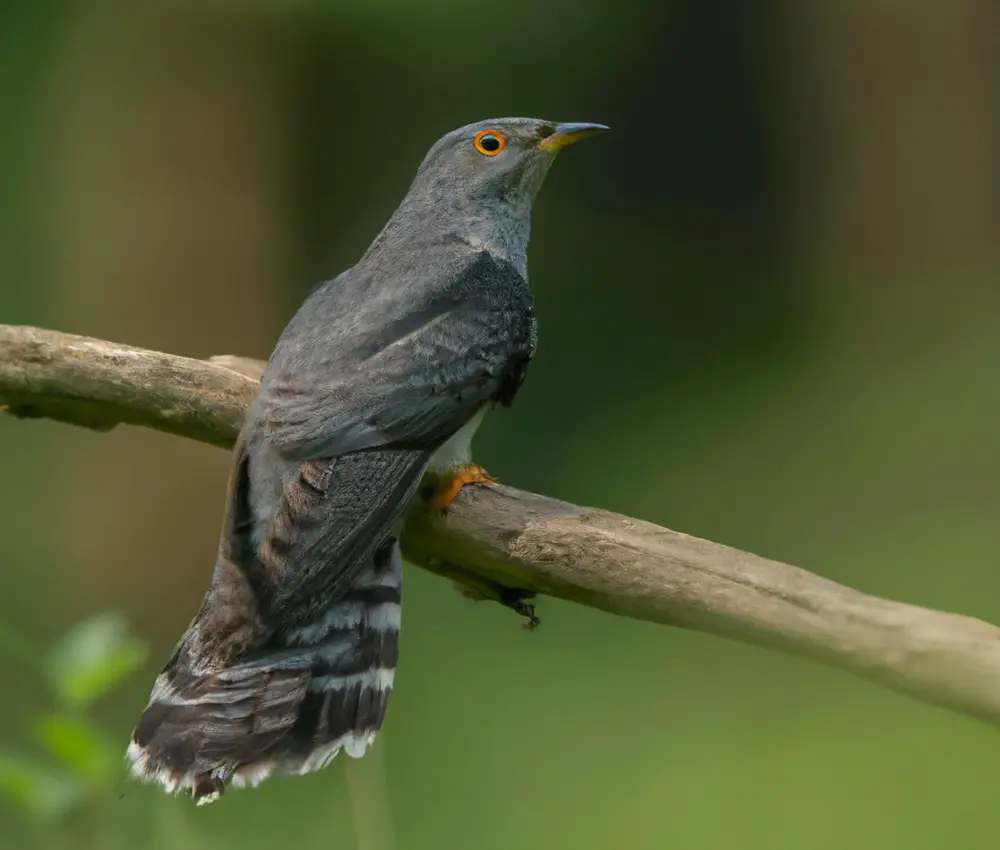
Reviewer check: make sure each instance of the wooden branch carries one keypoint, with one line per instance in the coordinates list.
(507, 545)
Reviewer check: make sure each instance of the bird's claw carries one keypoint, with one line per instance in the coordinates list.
(451, 486)
(526, 610)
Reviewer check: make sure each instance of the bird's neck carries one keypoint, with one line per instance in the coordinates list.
(500, 227)
(503, 236)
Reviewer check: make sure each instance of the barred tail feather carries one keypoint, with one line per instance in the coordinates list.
(288, 708)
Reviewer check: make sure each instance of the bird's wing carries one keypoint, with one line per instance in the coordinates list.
(331, 517)
(464, 346)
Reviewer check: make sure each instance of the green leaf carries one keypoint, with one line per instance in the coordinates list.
(41, 791)
(92, 658)
(79, 746)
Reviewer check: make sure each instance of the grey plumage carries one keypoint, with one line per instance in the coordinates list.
(383, 372)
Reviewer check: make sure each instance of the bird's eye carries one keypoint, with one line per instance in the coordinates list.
(489, 142)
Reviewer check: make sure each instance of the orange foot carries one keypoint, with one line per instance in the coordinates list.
(451, 486)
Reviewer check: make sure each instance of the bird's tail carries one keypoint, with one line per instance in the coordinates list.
(288, 706)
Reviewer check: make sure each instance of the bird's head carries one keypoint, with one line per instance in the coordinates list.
(497, 160)
(477, 183)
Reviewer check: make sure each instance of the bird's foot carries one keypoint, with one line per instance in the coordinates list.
(449, 487)
(480, 589)
(526, 610)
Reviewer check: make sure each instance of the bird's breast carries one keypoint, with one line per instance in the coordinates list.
(457, 450)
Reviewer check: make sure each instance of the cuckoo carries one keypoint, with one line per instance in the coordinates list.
(382, 376)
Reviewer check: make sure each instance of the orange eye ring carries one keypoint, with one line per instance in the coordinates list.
(489, 142)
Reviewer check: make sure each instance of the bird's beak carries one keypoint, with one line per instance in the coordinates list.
(566, 134)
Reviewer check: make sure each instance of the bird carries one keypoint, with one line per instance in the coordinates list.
(378, 382)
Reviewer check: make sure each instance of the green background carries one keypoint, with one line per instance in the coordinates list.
(769, 316)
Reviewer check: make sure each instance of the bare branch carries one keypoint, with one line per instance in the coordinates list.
(99, 384)
(507, 545)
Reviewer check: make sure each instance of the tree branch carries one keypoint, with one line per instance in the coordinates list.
(507, 545)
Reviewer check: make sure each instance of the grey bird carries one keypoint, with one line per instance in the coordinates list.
(381, 376)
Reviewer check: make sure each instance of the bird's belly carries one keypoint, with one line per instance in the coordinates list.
(457, 450)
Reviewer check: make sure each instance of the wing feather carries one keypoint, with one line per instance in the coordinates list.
(471, 345)
(333, 516)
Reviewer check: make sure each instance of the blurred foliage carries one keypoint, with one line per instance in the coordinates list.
(71, 794)
(768, 315)
(91, 659)
(82, 769)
